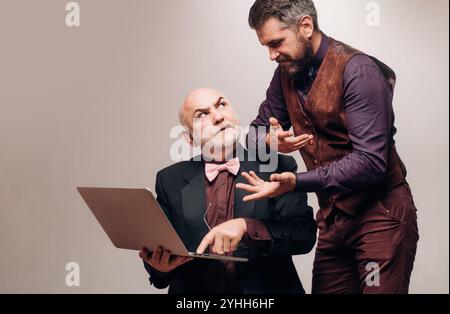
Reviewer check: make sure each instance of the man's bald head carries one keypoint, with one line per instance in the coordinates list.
(199, 98)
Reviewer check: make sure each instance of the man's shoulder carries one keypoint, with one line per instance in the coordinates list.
(364, 69)
(360, 60)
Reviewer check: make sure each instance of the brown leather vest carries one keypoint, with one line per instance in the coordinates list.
(323, 116)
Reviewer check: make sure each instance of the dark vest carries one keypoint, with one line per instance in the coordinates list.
(323, 116)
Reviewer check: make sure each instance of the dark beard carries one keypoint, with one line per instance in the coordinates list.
(299, 69)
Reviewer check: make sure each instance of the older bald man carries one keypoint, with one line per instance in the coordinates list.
(209, 214)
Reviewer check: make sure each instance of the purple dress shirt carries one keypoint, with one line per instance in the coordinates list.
(370, 122)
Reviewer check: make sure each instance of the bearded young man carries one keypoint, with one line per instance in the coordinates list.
(339, 102)
(208, 213)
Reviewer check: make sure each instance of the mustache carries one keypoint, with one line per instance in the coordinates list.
(282, 59)
(223, 128)
(212, 131)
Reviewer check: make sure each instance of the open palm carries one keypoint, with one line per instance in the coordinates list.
(279, 184)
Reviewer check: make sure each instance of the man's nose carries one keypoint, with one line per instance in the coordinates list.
(217, 117)
(273, 54)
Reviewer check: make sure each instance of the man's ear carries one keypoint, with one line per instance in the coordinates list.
(188, 137)
(306, 26)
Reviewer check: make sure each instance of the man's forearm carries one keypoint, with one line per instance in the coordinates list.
(344, 176)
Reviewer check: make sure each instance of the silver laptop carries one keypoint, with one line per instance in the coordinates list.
(133, 219)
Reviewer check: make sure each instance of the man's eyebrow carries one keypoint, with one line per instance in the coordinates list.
(206, 109)
(219, 101)
(200, 110)
(274, 41)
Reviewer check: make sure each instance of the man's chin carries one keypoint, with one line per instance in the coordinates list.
(290, 69)
(220, 149)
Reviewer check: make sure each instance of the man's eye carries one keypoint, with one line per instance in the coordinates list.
(276, 44)
(201, 115)
(222, 104)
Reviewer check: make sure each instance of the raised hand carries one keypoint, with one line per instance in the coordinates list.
(283, 141)
(279, 184)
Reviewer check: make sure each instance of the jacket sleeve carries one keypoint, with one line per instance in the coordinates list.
(294, 230)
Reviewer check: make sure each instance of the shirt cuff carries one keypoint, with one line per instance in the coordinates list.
(309, 182)
(257, 235)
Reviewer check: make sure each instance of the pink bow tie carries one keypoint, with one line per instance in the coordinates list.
(213, 170)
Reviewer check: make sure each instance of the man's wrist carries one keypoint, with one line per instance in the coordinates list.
(244, 225)
(309, 182)
(295, 181)
(256, 231)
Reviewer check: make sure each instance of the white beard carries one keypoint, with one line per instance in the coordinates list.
(222, 145)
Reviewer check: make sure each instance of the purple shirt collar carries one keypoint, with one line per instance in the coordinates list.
(320, 54)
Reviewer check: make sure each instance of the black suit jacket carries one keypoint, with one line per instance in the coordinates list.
(181, 193)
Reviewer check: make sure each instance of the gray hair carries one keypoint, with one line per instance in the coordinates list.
(289, 12)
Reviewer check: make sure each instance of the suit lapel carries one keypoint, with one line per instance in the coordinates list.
(193, 202)
(244, 209)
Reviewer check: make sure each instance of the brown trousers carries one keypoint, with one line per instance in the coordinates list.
(372, 252)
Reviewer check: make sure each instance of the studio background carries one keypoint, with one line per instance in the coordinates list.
(94, 106)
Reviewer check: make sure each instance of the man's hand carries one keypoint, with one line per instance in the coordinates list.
(224, 238)
(283, 141)
(162, 260)
(279, 184)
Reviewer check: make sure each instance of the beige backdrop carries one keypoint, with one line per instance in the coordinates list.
(94, 106)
